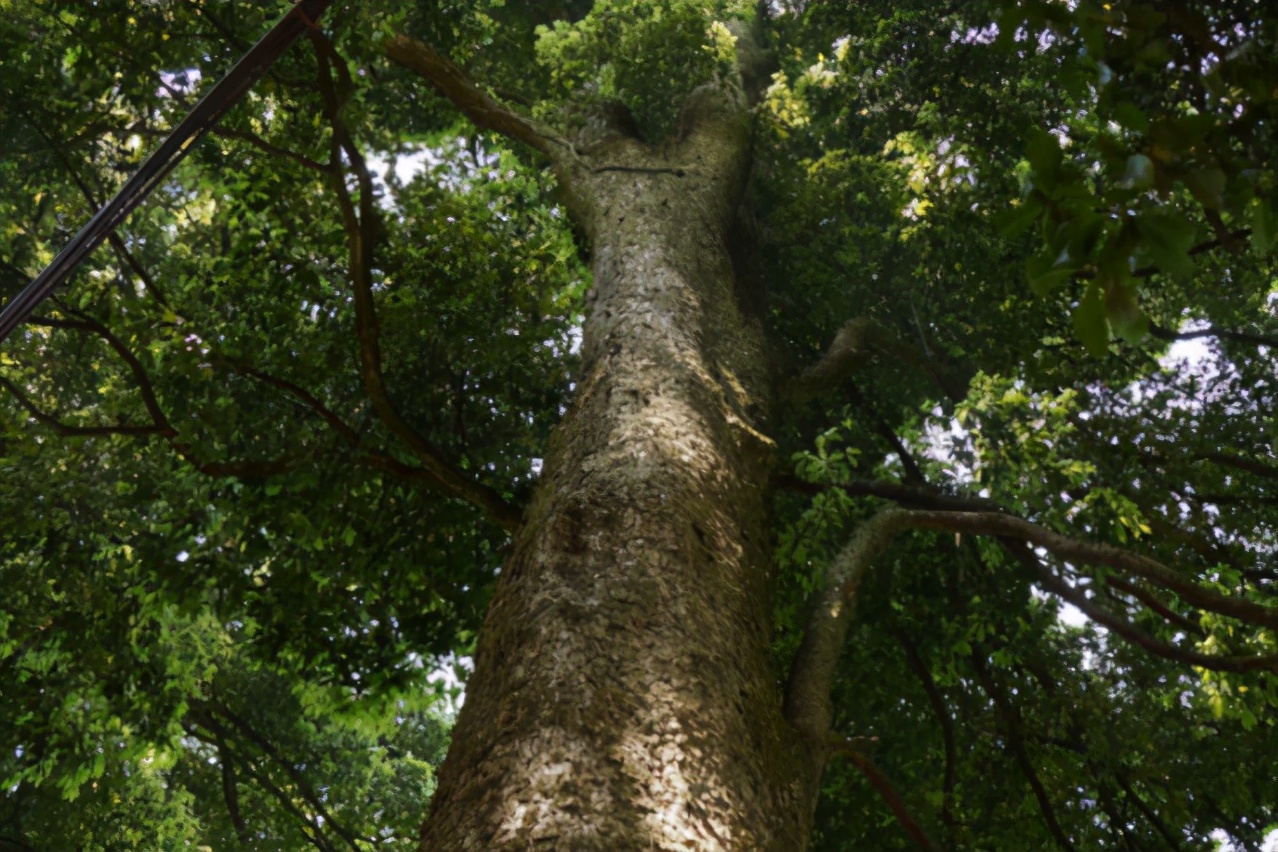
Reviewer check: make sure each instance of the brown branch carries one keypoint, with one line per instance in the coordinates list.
(886, 790)
(1163, 333)
(1251, 466)
(229, 794)
(1015, 737)
(207, 709)
(1151, 816)
(473, 102)
(939, 709)
(270, 148)
(1097, 553)
(162, 427)
(310, 830)
(348, 432)
(1130, 632)
(911, 496)
(73, 431)
(361, 228)
(1152, 602)
(86, 323)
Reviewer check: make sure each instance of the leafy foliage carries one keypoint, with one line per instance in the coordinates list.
(229, 575)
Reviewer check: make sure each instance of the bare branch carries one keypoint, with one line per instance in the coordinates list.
(854, 345)
(74, 431)
(1012, 724)
(887, 791)
(360, 229)
(476, 104)
(270, 148)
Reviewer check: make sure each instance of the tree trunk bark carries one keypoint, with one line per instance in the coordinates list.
(623, 695)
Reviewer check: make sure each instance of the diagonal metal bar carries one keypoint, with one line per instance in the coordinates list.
(175, 146)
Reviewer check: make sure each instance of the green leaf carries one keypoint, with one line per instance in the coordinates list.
(1168, 238)
(1139, 173)
(1090, 324)
(1123, 311)
(1016, 218)
(1263, 221)
(1208, 186)
(1044, 155)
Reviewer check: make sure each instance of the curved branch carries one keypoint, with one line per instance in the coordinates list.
(86, 323)
(808, 704)
(887, 791)
(1097, 553)
(855, 343)
(73, 431)
(1131, 633)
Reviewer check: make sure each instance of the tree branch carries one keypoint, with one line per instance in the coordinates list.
(473, 102)
(162, 427)
(1016, 739)
(229, 793)
(1221, 333)
(886, 790)
(86, 323)
(210, 708)
(916, 663)
(1130, 632)
(309, 829)
(361, 235)
(73, 431)
(808, 703)
(855, 343)
(258, 142)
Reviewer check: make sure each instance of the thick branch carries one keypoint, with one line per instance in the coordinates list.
(854, 345)
(476, 104)
(808, 704)
(360, 229)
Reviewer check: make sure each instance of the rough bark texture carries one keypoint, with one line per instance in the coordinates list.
(622, 695)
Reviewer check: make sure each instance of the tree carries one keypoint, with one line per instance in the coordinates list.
(746, 389)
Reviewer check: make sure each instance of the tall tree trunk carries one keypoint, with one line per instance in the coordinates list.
(623, 696)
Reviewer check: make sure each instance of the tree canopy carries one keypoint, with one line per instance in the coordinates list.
(261, 458)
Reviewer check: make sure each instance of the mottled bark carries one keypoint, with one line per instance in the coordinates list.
(622, 695)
